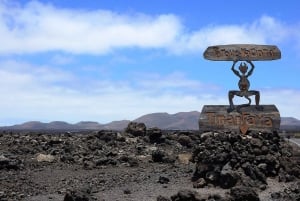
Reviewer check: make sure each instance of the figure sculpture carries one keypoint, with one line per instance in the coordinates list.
(241, 117)
(244, 85)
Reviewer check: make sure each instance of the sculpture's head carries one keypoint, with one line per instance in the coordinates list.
(243, 67)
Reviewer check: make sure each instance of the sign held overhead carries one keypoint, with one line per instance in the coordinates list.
(242, 52)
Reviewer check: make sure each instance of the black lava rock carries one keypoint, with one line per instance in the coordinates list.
(242, 193)
(136, 129)
(155, 135)
(224, 159)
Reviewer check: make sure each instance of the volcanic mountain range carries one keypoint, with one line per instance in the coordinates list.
(178, 121)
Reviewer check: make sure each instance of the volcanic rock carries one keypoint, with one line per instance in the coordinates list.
(79, 195)
(10, 162)
(288, 194)
(184, 158)
(200, 183)
(163, 180)
(127, 191)
(225, 159)
(162, 198)
(186, 195)
(185, 140)
(136, 129)
(45, 158)
(106, 135)
(155, 135)
(228, 177)
(108, 161)
(162, 157)
(242, 193)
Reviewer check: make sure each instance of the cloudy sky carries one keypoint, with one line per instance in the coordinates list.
(113, 60)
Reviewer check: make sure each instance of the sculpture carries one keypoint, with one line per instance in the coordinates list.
(257, 117)
(244, 85)
(242, 52)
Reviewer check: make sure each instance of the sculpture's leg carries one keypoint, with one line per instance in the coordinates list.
(257, 99)
(244, 105)
(230, 97)
(249, 99)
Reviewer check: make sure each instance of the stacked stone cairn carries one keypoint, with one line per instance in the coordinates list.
(242, 164)
(229, 159)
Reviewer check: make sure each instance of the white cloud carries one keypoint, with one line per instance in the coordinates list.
(49, 93)
(175, 82)
(271, 29)
(62, 59)
(19, 73)
(29, 94)
(38, 27)
(215, 35)
(286, 100)
(262, 31)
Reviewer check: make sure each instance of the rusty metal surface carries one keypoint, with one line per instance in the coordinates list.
(242, 52)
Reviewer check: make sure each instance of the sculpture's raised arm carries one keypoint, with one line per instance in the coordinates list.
(234, 70)
(252, 68)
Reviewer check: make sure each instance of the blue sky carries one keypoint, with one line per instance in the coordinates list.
(113, 60)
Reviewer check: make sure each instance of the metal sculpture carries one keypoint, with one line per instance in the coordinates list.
(242, 52)
(244, 85)
(252, 117)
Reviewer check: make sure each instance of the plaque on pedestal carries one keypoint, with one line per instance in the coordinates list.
(217, 118)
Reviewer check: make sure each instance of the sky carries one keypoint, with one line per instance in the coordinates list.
(109, 60)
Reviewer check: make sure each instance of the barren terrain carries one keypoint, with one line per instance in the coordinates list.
(145, 164)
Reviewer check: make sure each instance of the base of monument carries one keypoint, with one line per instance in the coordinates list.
(217, 118)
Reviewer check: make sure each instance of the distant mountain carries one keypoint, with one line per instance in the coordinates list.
(88, 125)
(116, 125)
(61, 125)
(180, 121)
(290, 123)
(37, 125)
(29, 125)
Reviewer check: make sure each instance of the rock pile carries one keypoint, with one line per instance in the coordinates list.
(140, 156)
(136, 129)
(229, 159)
(26, 154)
(93, 149)
(236, 194)
(10, 162)
(79, 195)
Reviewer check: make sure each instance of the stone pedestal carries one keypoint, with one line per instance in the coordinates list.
(216, 118)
